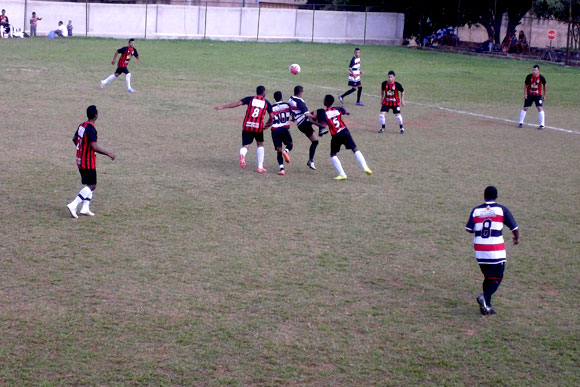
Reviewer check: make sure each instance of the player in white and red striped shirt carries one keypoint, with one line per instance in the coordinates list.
(486, 222)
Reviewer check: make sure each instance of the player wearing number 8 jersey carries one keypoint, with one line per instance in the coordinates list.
(534, 92)
(486, 222)
(253, 125)
(340, 136)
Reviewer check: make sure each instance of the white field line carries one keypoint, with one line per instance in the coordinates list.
(431, 106)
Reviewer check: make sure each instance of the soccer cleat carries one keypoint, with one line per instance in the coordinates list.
(340, 99)
(262, 170)
(520, 125)
(282, 172)
(483, 308)
(381, 130)
(490, 310)
(285, 155)
(322, 131)
(87, 212)
(368, 171)
(360, 104)
(540, 127)
(340, 177)
(402, 130)
(102, 84)
(242, 161)
(310, 165)
(130, 90)
(73, 210)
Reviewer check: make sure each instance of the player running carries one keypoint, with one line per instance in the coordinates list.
(340, 136)
(127, 53)
(253, 125)
(281, 131)
(534, 92)
(304, 120)
(354, 74)
(390, 90)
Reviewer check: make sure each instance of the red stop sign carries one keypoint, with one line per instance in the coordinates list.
(551, 34)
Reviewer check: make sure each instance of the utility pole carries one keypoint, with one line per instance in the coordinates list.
(568, 37)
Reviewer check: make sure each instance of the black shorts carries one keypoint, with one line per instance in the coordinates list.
(123, 70)
(306, 128)
(396, 109)
(341, 138)
(281, 136)
(88, 176)
(494, 271)
(537, 99)
(354, 83)
(248, 137)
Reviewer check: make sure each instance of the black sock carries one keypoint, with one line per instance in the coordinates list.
(489, 288)
(289, 147)
(358, 94)
(347, 93)
(279, 158)
(312, 150)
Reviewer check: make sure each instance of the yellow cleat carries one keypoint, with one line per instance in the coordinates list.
(368, 171)
(340, 177)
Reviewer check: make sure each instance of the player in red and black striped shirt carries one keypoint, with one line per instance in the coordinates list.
(127, 53)
(340, 136)
(253, 126)
(534, 92)
(85, 139)
(390, 99)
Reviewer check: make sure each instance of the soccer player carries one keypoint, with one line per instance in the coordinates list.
(281, 131)
(354, 81)
(390, 98)
(486, 222)
(340, 136)
(304, 120)
(85, 139)
(253, 126)
(127, 53)
(534, 91)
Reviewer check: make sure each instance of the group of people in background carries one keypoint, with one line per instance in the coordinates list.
(8, 31)
(515, 44)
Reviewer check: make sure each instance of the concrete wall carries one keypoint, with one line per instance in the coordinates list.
(198, 22)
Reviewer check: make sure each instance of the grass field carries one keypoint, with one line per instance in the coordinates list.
(196, 272)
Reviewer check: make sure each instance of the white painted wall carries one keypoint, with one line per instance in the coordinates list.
(197, 22)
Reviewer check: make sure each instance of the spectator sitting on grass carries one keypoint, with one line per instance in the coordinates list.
(61, 30)
(522, 46)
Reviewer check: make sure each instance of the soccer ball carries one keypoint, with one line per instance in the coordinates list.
(294, 68)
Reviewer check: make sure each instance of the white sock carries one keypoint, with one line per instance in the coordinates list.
(109, 79)
(83, 194)
(128, 81)
(399, 119)
(243, 151)
(260, 153)
(522, 116)
(541, 117)
(338, 165)
(382, 119)
(361, 159)
(87, 200)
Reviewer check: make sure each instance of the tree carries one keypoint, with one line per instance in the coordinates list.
(557, 9)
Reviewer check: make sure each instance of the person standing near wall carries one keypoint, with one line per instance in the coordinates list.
(69, 28)
(127, 53)
(354, 81)
(33, 22)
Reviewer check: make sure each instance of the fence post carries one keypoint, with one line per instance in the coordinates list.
(313, 10)
(258, 29)
(365, 32)
(146, 13)
(25, 12)
(87, 18)
(205, 22)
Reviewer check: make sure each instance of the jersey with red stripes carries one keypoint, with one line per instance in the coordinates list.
(85, 134)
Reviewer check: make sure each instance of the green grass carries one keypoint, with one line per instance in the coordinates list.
(197, 272)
